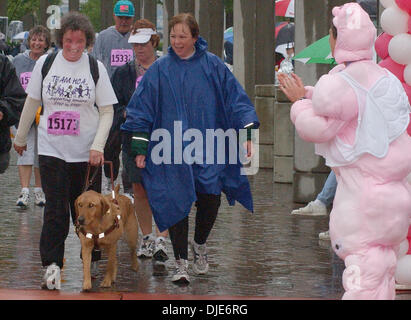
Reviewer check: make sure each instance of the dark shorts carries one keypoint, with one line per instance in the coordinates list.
(129, 163)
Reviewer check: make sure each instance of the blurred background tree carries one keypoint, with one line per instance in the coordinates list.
(20, 8)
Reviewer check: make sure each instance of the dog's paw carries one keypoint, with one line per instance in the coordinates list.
(87, 287)
(106, 283)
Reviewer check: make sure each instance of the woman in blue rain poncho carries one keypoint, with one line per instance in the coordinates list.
(188, 91)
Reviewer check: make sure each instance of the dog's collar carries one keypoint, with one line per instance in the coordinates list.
(95, 237)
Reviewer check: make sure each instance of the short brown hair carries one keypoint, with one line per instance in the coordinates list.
(76, 21)
(42, 31)
(144, 23)
(187, 19)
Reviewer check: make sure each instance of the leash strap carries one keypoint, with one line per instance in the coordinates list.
(89, 180)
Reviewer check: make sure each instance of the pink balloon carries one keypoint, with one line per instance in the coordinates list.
(395, 68)
(409, 25)
(404, 5)
(381, 45)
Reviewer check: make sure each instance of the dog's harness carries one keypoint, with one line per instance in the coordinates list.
(95, 237)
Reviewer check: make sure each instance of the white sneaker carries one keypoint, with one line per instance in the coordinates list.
(23, 200)
(160, 251)
(146, 249)
(324, 235)
(52, 278)
(313, 208)
(200, 264)
(39, 198)
(181, 273)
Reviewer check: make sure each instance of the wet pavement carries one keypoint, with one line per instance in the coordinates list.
(265, 254)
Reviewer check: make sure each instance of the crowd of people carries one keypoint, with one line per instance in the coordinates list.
(83, 106)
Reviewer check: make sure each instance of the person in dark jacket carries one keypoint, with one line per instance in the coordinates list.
(12, 97)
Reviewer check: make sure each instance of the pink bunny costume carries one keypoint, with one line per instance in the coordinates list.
(357, 116)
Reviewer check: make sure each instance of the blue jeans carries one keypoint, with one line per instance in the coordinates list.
(327, 194)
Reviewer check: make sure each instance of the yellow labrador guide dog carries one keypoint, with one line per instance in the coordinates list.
(101, 221)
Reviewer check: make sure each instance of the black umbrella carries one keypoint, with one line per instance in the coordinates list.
(285, 35)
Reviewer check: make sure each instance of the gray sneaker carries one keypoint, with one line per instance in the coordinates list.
(39, 198)
(200, 264)
(160, 251)
(23, 200)
(181, 273)
(146, 249)
(313, 208)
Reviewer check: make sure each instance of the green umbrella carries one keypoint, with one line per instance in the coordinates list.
(317, 52)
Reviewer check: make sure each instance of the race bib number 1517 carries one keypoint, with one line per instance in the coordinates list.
(64, 123)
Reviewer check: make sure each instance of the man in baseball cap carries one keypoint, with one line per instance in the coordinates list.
(112, 47)
(124, 8)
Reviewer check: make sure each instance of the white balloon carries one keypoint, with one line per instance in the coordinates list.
(407, 74)
(394, 21)
(387, 3)
(404, 246)
(399, 48)
(403, 271)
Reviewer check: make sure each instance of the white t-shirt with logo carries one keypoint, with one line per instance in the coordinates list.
(69, 122)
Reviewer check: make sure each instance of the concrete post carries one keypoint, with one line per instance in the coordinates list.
(313, 20)
(74, 5)
(210, 17)
(107, 19)
(137, 8)
(184, 6)
(244, 29)
(149, 11)
(3, 8)
(253, 44)
(264, 42)
(168, 13)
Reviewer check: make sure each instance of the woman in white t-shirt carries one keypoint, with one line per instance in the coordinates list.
(72, 132)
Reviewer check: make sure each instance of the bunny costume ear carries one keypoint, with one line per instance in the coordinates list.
(356, 33)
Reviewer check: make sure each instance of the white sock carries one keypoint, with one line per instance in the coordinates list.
(38, 189)
(25, 190)
(148, 236)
